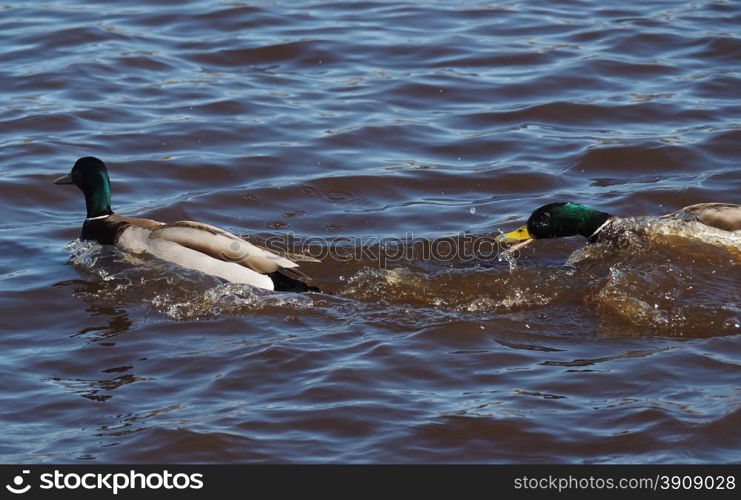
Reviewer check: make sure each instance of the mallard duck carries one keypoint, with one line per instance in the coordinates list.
(193, 245)
(558, 220)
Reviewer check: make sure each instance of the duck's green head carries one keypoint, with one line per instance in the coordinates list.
(90, 175)
(558, 220)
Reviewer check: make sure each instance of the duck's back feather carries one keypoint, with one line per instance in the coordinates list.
(221, 245)
(725, 216)
(194, 259)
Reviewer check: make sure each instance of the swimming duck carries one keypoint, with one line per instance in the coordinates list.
(558, 220)
(193, 245)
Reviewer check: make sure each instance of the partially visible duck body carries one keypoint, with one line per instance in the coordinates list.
(725, 216)
(193, 245)
(712, 222)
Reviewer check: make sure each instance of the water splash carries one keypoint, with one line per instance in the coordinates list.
(510, 258)
(653, 277)
(118, 278)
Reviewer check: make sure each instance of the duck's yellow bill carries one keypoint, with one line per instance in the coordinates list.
(519, 234)
(65, 179)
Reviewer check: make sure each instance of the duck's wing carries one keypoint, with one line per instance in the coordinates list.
(725, 216)
(221, 245)
(295, 257)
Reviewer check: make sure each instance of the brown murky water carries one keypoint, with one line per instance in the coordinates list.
(386, 136)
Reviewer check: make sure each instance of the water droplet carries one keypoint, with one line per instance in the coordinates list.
(732, 323)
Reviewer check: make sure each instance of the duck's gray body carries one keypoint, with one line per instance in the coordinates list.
(725, 216)
(192, 245)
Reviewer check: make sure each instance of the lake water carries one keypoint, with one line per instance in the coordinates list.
(386, 136)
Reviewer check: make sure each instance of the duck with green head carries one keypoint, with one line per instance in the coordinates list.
(189, 244)
(559, 220)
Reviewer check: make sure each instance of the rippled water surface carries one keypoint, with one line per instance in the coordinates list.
(387, 134)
